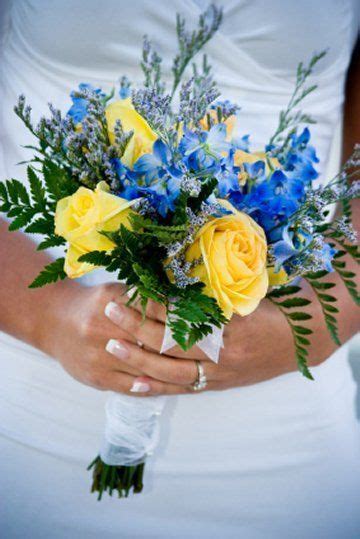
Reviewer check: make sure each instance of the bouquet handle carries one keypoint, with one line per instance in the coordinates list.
(131, 434)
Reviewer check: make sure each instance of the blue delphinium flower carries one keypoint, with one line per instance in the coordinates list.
(289, 247)
(270, 201)
(302, 252)
(126, 185)
(151, 165)
(159, 178)
(163, 193)
(78, 110)
(202, 150)
(300, 157)
(227, 175)
(241, 143)
(125, 88)
(326, 255)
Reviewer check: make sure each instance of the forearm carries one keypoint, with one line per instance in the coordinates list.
(26, 313)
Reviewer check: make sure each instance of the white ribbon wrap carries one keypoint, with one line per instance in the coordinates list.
(210, 345)
(132, 424)
(132, 429)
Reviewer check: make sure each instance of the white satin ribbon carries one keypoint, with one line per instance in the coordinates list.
(210, 345)
(132, 429)
(132, 424)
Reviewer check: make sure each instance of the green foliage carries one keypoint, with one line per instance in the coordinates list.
(346, 276)
(164, 233)
(288, 119)
(301, 343)
(339, 262)
(192, 314)
(50, 274)
(138, 258)
(33, 208)
(96, 258)
(326, 301)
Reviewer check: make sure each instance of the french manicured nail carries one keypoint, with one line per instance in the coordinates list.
(140, 387)
(114, 312)
(117, 349)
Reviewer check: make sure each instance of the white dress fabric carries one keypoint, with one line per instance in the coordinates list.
(279, 459)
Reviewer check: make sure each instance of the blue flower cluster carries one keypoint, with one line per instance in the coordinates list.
(271, 190)
(272, 198)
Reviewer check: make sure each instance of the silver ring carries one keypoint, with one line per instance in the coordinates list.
(140, 344)
(201, 380)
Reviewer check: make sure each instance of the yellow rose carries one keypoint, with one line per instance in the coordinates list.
(80, 217)
(241, 157)
(277, 278)
(143, 138)
(232, 250)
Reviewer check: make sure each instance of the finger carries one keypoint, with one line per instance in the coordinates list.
(175, 371)
(141, 386)
(156, 387)
(115, 364)
(149, 332)
(154, 310)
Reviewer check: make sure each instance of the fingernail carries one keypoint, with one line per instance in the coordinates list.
(140, 387)
(114, 312)
(117, 349)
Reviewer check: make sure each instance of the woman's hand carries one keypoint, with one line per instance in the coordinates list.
(256, 348)
(105, 354)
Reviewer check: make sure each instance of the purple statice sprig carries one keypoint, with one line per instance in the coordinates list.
(290, 118)
(190, 43)
(151, 67)
(82, 147)
(196, 96)
(156, 109)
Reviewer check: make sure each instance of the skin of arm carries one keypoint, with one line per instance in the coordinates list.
(67, 320)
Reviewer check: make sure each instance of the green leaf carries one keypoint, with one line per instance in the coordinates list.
(322, 286)
(316, 274)
(21, 192)
(23, 218)
(36, 187)
(302, 340)
(96, 258)
(302, 330)
(302, 366)
(348, 274)
(50, 241)
(12, 192)
(58, 182)
(42, 225)
(330, 308)
(284, 291)
(326, 297)
(299, 316)
(295, 302)
(50, 274)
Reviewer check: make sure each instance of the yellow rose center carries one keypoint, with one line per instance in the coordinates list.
(82, 205)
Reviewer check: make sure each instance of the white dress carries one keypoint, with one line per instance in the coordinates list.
(279, 459)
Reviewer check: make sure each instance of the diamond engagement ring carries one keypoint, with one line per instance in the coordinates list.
(201, 380)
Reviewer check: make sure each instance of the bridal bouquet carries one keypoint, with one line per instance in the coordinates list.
(185, 215)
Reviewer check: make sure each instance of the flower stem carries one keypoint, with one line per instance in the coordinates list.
(123, 479)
